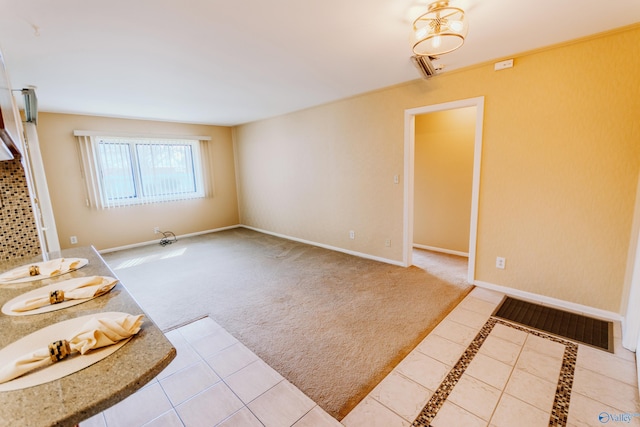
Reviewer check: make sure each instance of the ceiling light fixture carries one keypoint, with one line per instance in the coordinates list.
(440, 30)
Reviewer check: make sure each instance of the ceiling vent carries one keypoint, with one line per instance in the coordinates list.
(424, 64)
(30, 105)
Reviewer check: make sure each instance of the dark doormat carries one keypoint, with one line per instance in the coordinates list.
(593, 332)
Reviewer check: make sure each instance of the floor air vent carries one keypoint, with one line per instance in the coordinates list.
(586, 330)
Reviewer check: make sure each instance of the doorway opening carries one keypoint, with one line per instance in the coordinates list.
(409, 173)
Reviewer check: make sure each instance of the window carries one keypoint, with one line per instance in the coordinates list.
(122, 171)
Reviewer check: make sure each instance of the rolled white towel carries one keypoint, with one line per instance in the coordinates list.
(88, 287)
(97, 332)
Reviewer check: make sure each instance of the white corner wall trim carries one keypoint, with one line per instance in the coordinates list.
(153, 242)
(333, 248)
(552, 302)
(442, 250)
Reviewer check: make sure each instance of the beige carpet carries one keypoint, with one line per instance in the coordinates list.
(332, 324)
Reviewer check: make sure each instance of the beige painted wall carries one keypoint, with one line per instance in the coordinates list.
(134, 224)
(443, 175)
(317, 174)
(560, 163)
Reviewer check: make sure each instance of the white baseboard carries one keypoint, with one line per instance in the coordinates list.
(442, 250)
(308, 242)
(553, 302)
(155, 242)
(333, 248)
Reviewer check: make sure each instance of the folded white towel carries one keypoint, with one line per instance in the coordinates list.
(96, 333)
(87, 287)
(41, 270)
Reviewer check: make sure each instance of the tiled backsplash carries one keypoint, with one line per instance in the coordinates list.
(18, 231)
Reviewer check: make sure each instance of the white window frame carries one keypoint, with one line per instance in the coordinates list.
(97, 194)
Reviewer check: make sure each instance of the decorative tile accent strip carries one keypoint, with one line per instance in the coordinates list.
(434, 404)
(18, 232)
(560, 410)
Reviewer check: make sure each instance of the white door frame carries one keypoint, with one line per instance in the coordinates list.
(39, 192)
(409, 159)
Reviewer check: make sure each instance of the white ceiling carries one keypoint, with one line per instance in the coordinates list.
(231, 62)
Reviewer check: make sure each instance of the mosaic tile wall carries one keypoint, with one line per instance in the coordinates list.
(18, 232)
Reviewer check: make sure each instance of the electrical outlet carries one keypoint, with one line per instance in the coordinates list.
(73, 240)
(352, 234)
(500, 262)
(156, 230)
(387, 242)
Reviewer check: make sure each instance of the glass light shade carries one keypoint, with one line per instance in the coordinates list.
(441, 30)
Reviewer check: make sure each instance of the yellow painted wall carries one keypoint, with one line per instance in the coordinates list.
(560, 164)
(443, 177)
(133, 224)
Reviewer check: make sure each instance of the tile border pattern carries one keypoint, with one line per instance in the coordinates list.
(560, 409)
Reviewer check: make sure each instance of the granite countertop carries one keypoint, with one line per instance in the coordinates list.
(76, 397)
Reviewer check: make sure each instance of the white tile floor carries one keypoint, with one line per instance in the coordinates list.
(216, 381)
